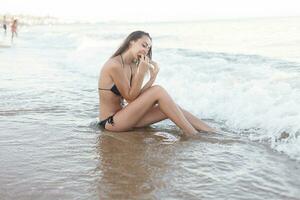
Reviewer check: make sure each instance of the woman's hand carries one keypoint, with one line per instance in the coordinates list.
(153, 73)
(144, 63)
(154, 69)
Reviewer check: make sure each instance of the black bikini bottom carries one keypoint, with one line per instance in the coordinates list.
(109, 120)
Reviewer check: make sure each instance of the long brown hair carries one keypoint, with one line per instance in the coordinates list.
(134, 36)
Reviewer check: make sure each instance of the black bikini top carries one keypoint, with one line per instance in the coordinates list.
(114, 88)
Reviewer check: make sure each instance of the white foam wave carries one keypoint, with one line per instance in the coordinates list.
(250, 97)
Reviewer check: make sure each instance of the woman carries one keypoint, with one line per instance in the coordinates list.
(4, 24)
(122, 77)
(14, 27)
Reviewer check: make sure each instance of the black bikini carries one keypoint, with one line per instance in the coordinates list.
(116, 91)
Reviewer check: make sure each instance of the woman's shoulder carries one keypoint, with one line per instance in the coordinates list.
(112, 63)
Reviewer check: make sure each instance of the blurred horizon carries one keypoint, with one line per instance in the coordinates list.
(154, 11)
(24, 19)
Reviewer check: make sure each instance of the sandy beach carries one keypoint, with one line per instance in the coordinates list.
(52, 148)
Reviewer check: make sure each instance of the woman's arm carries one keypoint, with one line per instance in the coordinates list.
(119, 78)
(147, 85)
(154, 69)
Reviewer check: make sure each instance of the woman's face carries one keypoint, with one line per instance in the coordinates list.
(141, 46)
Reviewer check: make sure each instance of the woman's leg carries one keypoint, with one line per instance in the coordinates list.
(155, 115)
(196, 122)
(152, 116)
(129, 116)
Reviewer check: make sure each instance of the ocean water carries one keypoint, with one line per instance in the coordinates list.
(240, 76)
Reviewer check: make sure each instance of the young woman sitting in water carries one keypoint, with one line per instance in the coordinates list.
(122, 77)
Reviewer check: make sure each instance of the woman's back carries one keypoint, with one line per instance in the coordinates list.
(109, 102)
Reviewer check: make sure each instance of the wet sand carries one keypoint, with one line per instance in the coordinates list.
(152, 163)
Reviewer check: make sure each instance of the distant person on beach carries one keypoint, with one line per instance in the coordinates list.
(122, 77)
(14, 27)
(4, 24)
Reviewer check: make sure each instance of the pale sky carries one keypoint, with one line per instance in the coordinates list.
(151, 10)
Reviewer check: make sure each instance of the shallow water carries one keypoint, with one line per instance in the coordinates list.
(85, 163)
(51, 147)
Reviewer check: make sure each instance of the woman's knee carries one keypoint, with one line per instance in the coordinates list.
(155, 92)
(157, 89)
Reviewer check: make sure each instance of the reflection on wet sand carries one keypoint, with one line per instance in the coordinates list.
(141, 165)
(132, 165)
